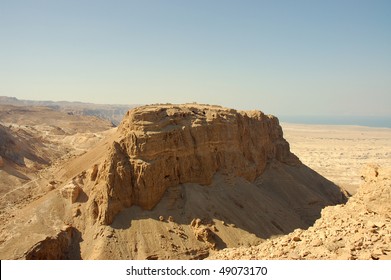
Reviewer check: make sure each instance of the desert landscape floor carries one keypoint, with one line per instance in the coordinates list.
(339, 152)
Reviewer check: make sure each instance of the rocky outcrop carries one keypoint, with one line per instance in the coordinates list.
(359, 229)
(71, 192)
(58, 247)
(165, 145)
(203, 232)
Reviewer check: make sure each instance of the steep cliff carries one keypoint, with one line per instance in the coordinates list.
(165, 145)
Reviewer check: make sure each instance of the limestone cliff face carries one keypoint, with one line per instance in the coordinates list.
(165, 145)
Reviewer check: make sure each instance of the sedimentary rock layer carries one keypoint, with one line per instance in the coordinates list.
(165, 145)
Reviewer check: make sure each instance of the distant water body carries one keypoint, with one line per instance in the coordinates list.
(342, 120)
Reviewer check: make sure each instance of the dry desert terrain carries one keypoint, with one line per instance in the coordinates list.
(188, 182)
(339, 152)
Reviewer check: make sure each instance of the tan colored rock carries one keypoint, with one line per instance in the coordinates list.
(294, 256)
(296, 238)
(76, 213)
(203, 232)
(1, 162)
(94, 172)
(196, 222)
(316, 243)
(165, 145)
(70, 192)
(370, 172)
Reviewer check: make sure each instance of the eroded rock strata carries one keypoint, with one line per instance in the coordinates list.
(162, 146)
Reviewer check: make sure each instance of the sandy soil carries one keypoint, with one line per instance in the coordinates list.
(339, 152)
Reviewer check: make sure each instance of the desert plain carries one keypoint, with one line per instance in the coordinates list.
(340, 152)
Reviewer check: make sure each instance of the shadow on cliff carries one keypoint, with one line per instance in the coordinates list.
(64, 246)
(281, 200)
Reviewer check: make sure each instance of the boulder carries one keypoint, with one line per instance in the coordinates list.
(71, 192)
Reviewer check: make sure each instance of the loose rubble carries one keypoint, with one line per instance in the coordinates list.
(358, 230)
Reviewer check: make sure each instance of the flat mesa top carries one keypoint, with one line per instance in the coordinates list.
(157, 117)
(182, 107)
(195, 108)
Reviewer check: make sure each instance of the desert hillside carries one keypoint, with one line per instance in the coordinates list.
(360, 229)
(172, 182)
(34, 141)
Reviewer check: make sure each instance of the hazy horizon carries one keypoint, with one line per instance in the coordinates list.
(359, 120)
(281, 57)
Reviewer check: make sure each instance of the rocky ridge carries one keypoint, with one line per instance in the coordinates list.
(359, 229)
(113, 113)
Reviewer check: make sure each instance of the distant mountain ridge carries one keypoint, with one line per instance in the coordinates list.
(111, 112)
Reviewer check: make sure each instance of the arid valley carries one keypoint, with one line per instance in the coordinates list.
(188, 181)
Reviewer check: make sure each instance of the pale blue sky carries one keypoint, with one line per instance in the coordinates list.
(282, 57)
